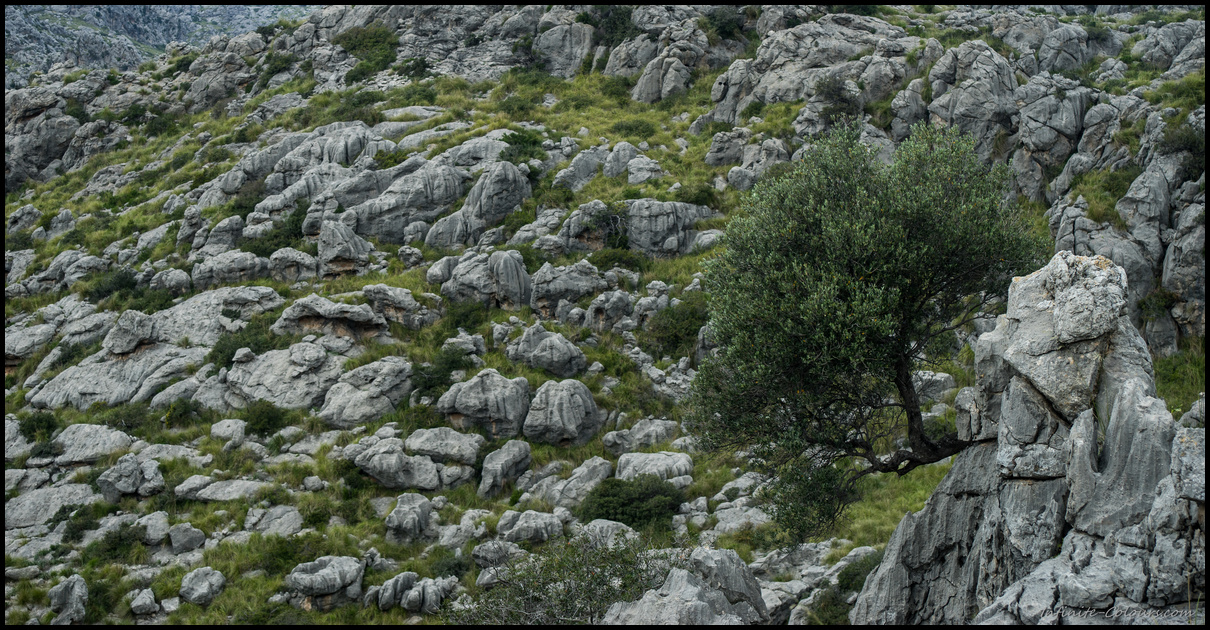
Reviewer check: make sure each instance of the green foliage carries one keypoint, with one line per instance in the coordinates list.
(287, 233)
(433, 380)
(274, 63)
(122, 545)
(606, 259)
(618, 89)
(523, 146)
(644, 500)
(1179, 138)
(673, 331)
(841, 104)
(852, 577)
(1102, 190)
(753, 109)
(612, 225)
(833, 280)
(634, 128)
(75, 109)
(569, 583)
(375, 45)
(450, 564)
(1157, 303)
(726, 22)
(182, 63)
(830, 609)
(515, 107)
(256, 336)
(1179, 378)
(39, 426)
(72, 353)
(109, 283)
(265, 418)
(414, 68)
(18, 241)
(417, 94)
(611, 24)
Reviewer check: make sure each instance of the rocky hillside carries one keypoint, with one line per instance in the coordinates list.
(348, 318)
(38, 37)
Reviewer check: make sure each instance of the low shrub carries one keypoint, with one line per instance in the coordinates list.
(1179, 138)
(523, 146)
(673, 331)
(606, 259)
(375, 45)
(255, 336)
(611, 23)
(634, 128)
(644, 500)
(852, 577)
(123, 545)
(265, 418)
(285, 234)
(38, 426)
(702, 194)
(572, 582)
(434, 379)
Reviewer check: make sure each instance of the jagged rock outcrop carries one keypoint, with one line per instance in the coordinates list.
(315, 314)
(1041, 517)
(549, 351)
(488, 400)
(563, 413)
(367, 393)
(551, 285)
(498, 279)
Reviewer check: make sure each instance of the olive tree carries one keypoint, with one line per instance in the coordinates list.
(834, 278)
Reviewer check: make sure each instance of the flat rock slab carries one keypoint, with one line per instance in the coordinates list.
(37, 506)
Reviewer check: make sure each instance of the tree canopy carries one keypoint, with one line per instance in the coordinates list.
(832, 282)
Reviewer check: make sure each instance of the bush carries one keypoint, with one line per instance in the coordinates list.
(852, 577)
(572, 582)
(285, 234)
(727, 22)
(1179, 138)
(634, 128)
(840, 103)
(612, 226)
(109, 283)
(18, 241)
(72, 353)
(515, 106)
(451, 565)
(414, 68)
(702, 194)
(122, 545)
(673, 331)
(375, 45)
(755, 108)
(434, 379)
(255, 336)
(416, 94)
(645, 500)
(272, 65)
(75, 109)
(618, 89)
(606, 259)
(264, 418)
(523, 146)
(182, 63)
(611, 24)
(39, 426)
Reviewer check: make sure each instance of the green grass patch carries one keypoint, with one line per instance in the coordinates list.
(1181, 377)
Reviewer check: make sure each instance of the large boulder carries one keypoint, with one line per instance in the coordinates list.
(563, 413)
(663, 228)
(571, 492)
(549, 351)
(397, 305)
(552, 285)
(421, 195)
(498, 280)
(499, 191)
(488, 400)
(386, 461)
(201, 586)
(296, 378)
(129, 476)
(367, 393)
(1041, 517)
(341, 251)
(665, 465)
(230, 267)
(529, 526)
(444, 444)
(500, 466)
(318, 315)
(409, 519)
(327, 582)
(973, 89)
(35, 507)
(68, 598)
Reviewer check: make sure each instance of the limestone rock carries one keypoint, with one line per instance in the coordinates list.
(488, 400)
(317, 315)
(201, 586)
(563, 413)
(548, 351)
(398, 305)
(367, 393)
(570, 493)
(68, 598)
(498, 279)
(528, 526)
(504, 464)
(444, 444)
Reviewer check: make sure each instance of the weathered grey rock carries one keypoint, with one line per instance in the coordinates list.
(15, 444)
(466, 343)
(684, 599)
(201, 586)
(548, 221)
(398, 305)
(131, 330)
(499, 191)
(646, 432)
(229, 490)
(665, 465)
(296, 378)
(444, 444)
(387, 463)
(341, 251)
(487, 400)
(185, 537)
(317, 315)
(422, 195)
(727, 147)
(621, 155)
(973, 89)
(144, 603)
(553, 284)
(230, 267)
(68, 598)
(327, 576)
(583, 168)
(290, 265)
(1161, 47)
(410, 256)
(548, 351)
(662, 228)
(563, 413)
(279, 520)
(22, 218)
(495, 280)
(504, 464)
(409, 519)
(608, 309)
(86, 443)
(200, 319)
(222, 238)
(570, 493)
(642, 169)
(564, 47)
(528, 526)
(367, 393)
(1189, 463)
(724, 570)
(129, 476)
(932, 385)
(175, 281)
(494, 553)
(155, 526)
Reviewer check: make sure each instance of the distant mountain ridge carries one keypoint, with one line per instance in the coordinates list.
(36, 37)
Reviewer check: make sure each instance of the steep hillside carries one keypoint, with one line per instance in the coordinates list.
(37, 37)
(351, 318)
